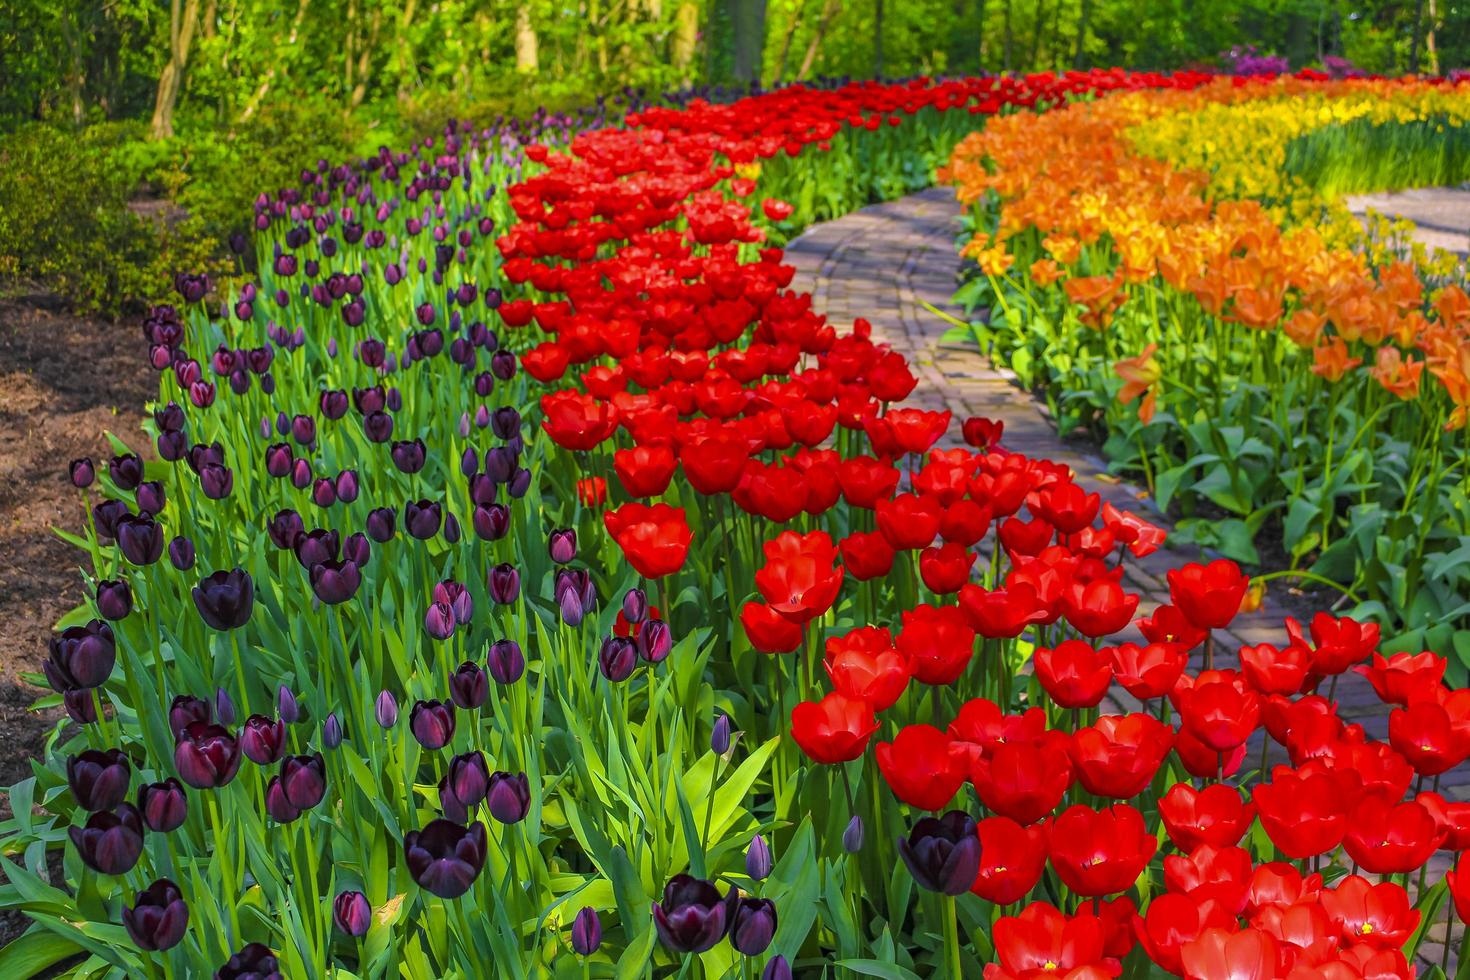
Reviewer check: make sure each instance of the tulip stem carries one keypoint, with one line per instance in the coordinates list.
(1449, 932)
(952, 966)
(240, 672)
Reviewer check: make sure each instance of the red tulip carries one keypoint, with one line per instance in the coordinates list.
(1147, 672)
(645, 471)
(1275, 671)
(769, 631)
(1066, 506)
(1169, 625)
(1378, 915)
(1459, 881)
(1023, 780)
(1099, 607)
(1280, 883)
(1208, 595)
(1304, 813)
(1424, 735)
(937, 643)
(865, 665)
(1141, 537)
(1214, 815)
(834, 729)
(1012, 859)
(1203, 762)
(1118, 756)
(945, 568)
(801, 577)
(1074, 673)
(655, 539)
(1173, 920)
(1340, 643)
(1404, 678)
(714, 464)
(1452, 818)
(964, 523)
(1221, 874)
(1042, 942)
(1027, 538)
(1099, 852)
(981, 727)
(1220, 713)
(1391, 838)
(1222, 954)
(576, 421)
(867, 555)
(909, 521)
(921, 766)
(1000, 613)
(866, 480)
(982, 433)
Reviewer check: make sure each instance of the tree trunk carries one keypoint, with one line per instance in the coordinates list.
(528, 61)
(170, 81)
(1008, 38)
(281, 66)
(1418, 33)
(1035, 52)
(830, 9)
(980, 34)
(1079, 57)
(364, 60)
(686, 36)
(877, 38)
(790, 33)
(1429, 46)
(748, 18)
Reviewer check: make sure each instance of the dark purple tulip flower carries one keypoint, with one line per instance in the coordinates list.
(126, 471)
(80, 706)
(509, 797)
(333, 403)
(505, 422)
(409, 457)
(207, 756)
(469, 686)
(254, 962)
(82, 472)
(468, 779)
(753, 925)
(224, 708)
(263, 740)
(323, 492)
(111, 840)
(519, 483)
(332, 731)
(216, 481)
(279, 459)
(503, 365)
(185, 710)
(776, 969)
(287, 528)
(114, 600)
(172, 446)
(378, 426)
(943, 853)
(385, 709)
(225, 599)
(586, 932)
(277, 806)
(151, 497)
(304, 780)
(356, 549)
(504, 583)
(432, 723)
(158, 917)
(758, 858)
(635, 606)
(316, 546)
(719, 739)
(163, 805)
(303, 429)
(562, 545)
(81, 657)
(439, 620)
(352, 913)
(483, 490)
(335, 582)
(382, 524)
(140, 539)
(421, 518)
(491, 522)
(107, 514)
(693, 915)
(445, 858)
(469, 463)
(301, 474)
(286, 705)
(505, 661)
(655, 641)
(500, 463)
(618, 658)
(98, 778)
(454, 595)
(181, 553)
(346, 486)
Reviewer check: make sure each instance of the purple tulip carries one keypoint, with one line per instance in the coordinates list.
(80, 657)
(508, 797)
(352, 913)
(216, 481)
(181, 553)
(454, 595)
(277, 806)
(172, 446)
(323, 492)
(80, 706)
(719, 739)
(82, 472)
(356, 549)
(225, 599)
(185, 710)
(618, 658)
(635, 606)
(140, 539)
(301, 474)
(758, 861)
(942, 853)
(378, 426)
(777, 969)
(114, 600)
(224, 708)
(126, 471)
(439, 620)
(562, 545)
(107, 514)
(753, 925)
(491, 522)
(98, 778)
(586, 932)
(254, 962)
(111, 840)
(421, 518)
(693, 915)
(655, 641)
(207, 756)
(279, 460)
(505, 661)
(262, 740)
(505, 422)
(332, 731)
(304, 780)
(445, 858)
(287, 706)
(163, 805)
(469, 686)
(432, 723)
(409, 457)
(158, 918)
(151, 497)
(303, 429)
(382, 524)
(852, 836)
(385, 709)
(335, 582)
(333, 403)
(316, 546)
(504, 583)
(468, 779)
(483, 490)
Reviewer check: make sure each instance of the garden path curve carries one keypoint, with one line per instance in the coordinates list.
(884, 262)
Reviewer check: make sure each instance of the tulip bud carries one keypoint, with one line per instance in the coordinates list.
(352, 913)
(504, 583)
(758, 858)
(777, 969)
(163, 805)
(943, 853)
(224, 708)
(505, 661)
(635, 606)
(304, 780)
(332, 731)
(286, 705)
(852, 837)
(80, 706)
(151, 497)
(562, 545)
(439, 621)
(381, 524)
(277, 806)
(469, 686)
(719, 739)
(386, 709)
(181, 553)
(753, 925)
(114, 600)
(468, 779)
(185, 710)
(508, 797)
(586, 932)
(82, 473)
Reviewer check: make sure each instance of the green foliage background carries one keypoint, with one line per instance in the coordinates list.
(101, 204)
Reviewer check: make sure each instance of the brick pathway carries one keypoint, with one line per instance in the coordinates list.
(881, 263)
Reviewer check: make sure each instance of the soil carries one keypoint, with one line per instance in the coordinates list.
(64, 382)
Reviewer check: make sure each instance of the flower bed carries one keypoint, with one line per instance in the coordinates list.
(588, 606)
(1165, 277)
